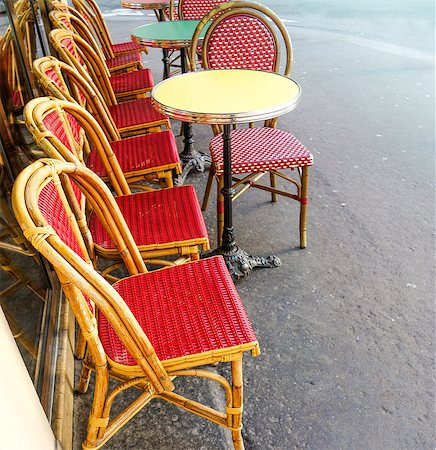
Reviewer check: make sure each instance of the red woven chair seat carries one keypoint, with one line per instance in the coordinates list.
(125, 47)
(260, 150)
(156, 217)
(123, 60)
(140, 153)
(135, 112)
(182, 318)
(132, 81)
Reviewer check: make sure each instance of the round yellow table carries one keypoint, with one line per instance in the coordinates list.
(227, 97)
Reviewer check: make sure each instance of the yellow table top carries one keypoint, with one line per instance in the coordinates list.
(225, 96)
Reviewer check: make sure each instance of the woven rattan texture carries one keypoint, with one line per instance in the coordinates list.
(182, 318)
(132, 81)
(134, 113)
(70, 46)
(52, 209)
(54, 212)
(52, 121)
(140, 153)
(125, 47)
(196, 9)
(261, 149)
(55, 76)
(241, 42)
(156, 217)
(123, 60)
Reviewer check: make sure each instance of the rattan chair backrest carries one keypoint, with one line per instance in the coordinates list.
(242, 35)
(77, 24)
(91, 11)
(65, 131)
(85, 55)
(196, 9)
(41, 205)
(52, 74)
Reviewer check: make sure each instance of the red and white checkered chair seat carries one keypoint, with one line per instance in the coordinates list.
(129, 60)
(156, 219)
(136, 113)
(126, 47)
(260, 150)
(147, 153)
(137, 80)
(181, 319)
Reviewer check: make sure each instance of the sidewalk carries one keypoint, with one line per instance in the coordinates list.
(346, 327)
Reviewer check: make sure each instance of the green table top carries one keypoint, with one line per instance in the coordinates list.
(169, 34)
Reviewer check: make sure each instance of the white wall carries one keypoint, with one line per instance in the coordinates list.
(23, 424)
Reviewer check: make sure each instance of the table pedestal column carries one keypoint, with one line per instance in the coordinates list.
(238, 261)
(190, 157)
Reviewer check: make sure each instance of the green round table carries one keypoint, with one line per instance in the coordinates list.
(175, 34)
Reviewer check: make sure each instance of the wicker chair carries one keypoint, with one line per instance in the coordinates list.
(124, 119)
(90, 10)
(150, 327)
(164, 222)
(118, 65)
(151, 157)
(243, 35)
(125, 86)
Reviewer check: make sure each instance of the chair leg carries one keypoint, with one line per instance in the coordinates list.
(208, 190)
(85, 376)
(80, 346)
(95, 420)
(237, 391)
(303, 205)
(220, 210)
(273, 178)
(169, 179)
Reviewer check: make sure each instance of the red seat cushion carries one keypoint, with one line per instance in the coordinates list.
(135, 112)
(156, 217)
(137, 153)
(261, 150)
(132, 81)
(123, 60)
(126, 47)
(183, 310)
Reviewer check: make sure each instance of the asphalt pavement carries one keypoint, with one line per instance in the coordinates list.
(346, 326)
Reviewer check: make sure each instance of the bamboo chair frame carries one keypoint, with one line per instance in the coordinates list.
(94, 66)
(84, 92)
(151, 375)
(276, 27)
(34, 114)
(91, 11)
(7, 55)
(78, 25)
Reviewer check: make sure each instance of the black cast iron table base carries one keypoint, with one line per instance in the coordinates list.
(195, 160)
(240, 263)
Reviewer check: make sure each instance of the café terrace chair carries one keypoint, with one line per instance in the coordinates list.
(164, 223)
(244, 35)
(89, 59)
(90, 10)
(129, 118)
(150, 157)
(118, 65)
(148, 328)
